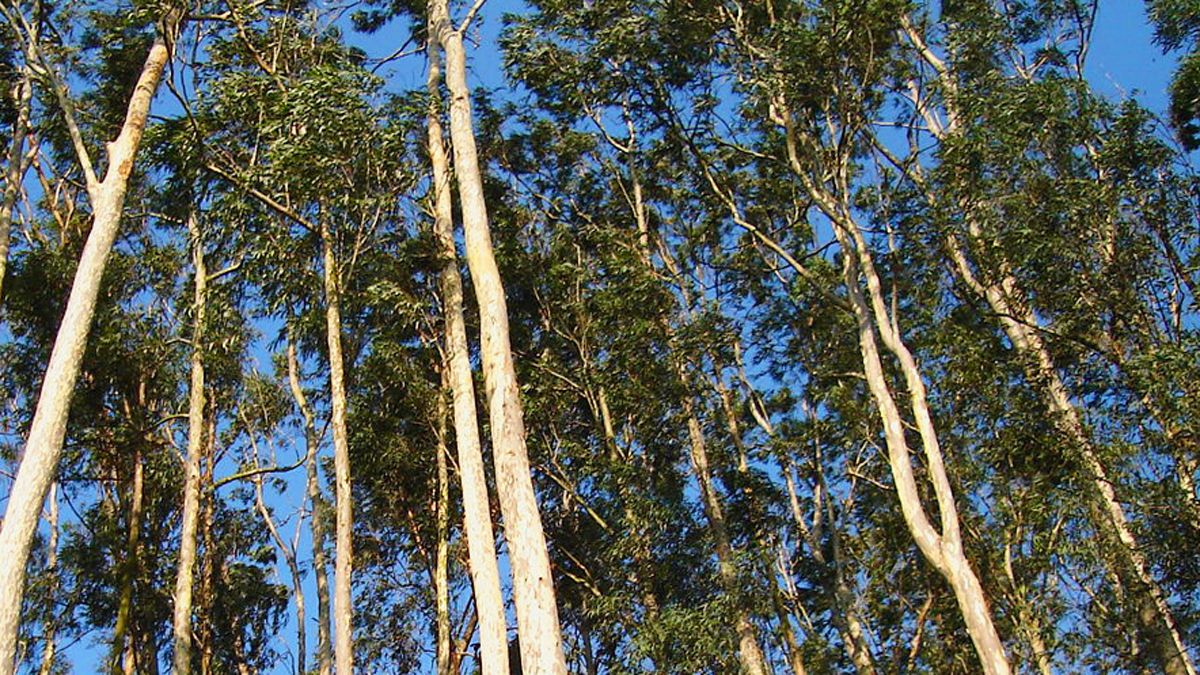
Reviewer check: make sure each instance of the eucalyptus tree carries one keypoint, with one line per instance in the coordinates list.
(288, 134)
(533, 582)
(44, 442)
(485, 574)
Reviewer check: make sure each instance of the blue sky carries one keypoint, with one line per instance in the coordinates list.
(1124, 63)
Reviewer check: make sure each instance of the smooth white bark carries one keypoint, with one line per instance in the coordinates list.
(477, 513)
(533, 584)
(44, 444)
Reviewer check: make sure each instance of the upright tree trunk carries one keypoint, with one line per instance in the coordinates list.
(23, 95)
(477, 513)
(182, 622)
(129, 567)
(343, 609)
(441, 567)
(50, 625)
(46, 433)
(533, 583)
(316, 524)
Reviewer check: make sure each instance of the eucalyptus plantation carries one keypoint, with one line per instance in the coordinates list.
(813, 335)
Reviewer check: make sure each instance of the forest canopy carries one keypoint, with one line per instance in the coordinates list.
(600, 337)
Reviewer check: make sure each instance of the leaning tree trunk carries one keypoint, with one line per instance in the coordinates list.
(1007, 300)
(477, 513)
(46, 433)
(943, 550)
(533, 582)
(182, 622)
(343, 610)
(316, 503)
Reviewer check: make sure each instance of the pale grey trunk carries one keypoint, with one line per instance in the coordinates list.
(15, 171)
(313, 491)
(50, 626)
(182, 618)
(477, 513)
(533, 582)
(343, 609)
(944, 550)
(750, 655)
(46, 433)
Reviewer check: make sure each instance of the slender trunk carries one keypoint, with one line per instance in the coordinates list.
(15, 171)
(129, 566)
(317, 525)
(1158, 625)
(343, 610)
(46, 433)
(944, 550)
(533, 582)
(750, 655)
(477, 513)
(50, 625)
(289, 559)
(441, 572)
(182, 623)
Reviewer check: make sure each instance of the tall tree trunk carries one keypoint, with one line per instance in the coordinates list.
(129, 566)
(441, 571)
(343, 609)
(50, 625)
(943, 550)
(46, 433)
(477, 513)
(316, 502)
(750, 655)
(533, 582)
(182, 621)
(15, 171)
